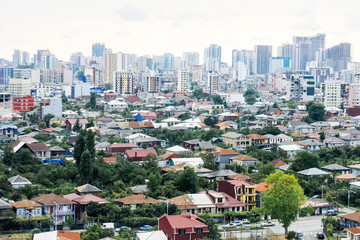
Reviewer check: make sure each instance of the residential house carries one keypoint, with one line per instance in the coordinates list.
(240, 176)
(353, 233)
(259, 141)
(351, 140)
(27, 208)
(110, 160)
(350, 220)
(273, 140)
(355, 169)
(236, 140)
(82, 202)
(300, 127)
(244, 160)
(224, 202)
(224, 126)
(135, 201)
(88, 189)
(141, 116)
(142, 140)
(169, 155)
(285, 138)
(223, 156)
(194, 162)
(177, 149)
(57, 235)
(195, 203)
(120, 147)
(336, 168)
(200, 171)
(320, 125)
(70, 122)
(241, 190)
(18, 181)
(137, 155)
(40, 150)
(57, 152)
(228, 116)
(222, 174)
(345, 177)
(5, 141)
(9, 130)
(183, 227)
(202, 106)
(197, 144)
(55, 205)
(311, 145)
(290, 149)
(332, 142)
(151, 235)
(4, 208)
(191, 144)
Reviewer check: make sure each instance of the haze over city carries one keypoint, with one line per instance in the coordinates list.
(154, 27)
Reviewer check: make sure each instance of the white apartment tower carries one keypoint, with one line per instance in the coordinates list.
(213, 82)
(123, 82)
(332, 93)
(183, 80)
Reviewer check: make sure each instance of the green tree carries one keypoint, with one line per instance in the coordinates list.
(217, 99)
(80, 147)
(316, 111)
(47, 119)
(304, 160)
(322, 136)
(198, 93)
(64, 98)
(92, 102)
(76, 127)
(292, 104)
(42, 125)
(214, 233)
(79, 75)
(108, 86)
(187, 181)
(211, 121)
(250, 96)
(86, 167)
(283, 200)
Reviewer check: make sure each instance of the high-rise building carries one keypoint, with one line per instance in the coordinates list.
(213, 82)
(354, 95)
(183, 80)
(123, 82)
(16, 57)
(114, 62)
(25, 58)
(190, 59)
(19, 87)
(56, 76)
(339, 56)
(168, 61)
(321, 74)
(131, 60)
(302, 88)
(332, 94)
(50, 106)
(212, 58)
(279, 64)
(48, 60)
(305, 48)
(151, 82)
(98, 49)
(285, 50)
(262, 55)
(5, 74)
(196, 73)
(141, 63)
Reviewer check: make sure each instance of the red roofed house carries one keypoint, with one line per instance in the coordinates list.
(110, 159)
(110, 96)
(136, 155)
(224, 202)
(119, 147)
(132, 99)
(70, 122)
(241, 190)
(183, 227)
(141, 116)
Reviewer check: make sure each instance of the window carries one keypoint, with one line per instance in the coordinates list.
(181, 231)
(220, 200)
(199, 230)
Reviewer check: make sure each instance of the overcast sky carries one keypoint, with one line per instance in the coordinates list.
(148, 27)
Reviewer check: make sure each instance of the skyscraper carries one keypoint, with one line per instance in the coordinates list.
(212, 58)
(191, 59)
(25, 58)
(16, 57)
(151, 82)
(213, 82)
(169, 61)
(114, 62)
(338, 56)
(305, 48)
(98, 49)
(183, 80)
(262, 55)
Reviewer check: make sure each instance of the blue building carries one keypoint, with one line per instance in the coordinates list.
(5, 74)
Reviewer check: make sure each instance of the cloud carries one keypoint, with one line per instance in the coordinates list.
(132, 14)
(177, 24)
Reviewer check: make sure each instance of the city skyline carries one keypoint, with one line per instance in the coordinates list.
(131, 26)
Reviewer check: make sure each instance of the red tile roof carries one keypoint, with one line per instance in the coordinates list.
(110, 159)
(223, 152)
(140, 152)
(261, 187)
(184, 220)
(352, 217)
(137, 199)
(51, 199)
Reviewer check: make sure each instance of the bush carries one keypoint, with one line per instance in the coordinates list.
(291, 235)
(139, 221)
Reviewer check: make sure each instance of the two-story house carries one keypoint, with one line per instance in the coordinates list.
(236, 140)
(224, 202)
(56, 206)
(223, 156)
(241, 190)
(27, 208)
(183, 227)
(259, 141)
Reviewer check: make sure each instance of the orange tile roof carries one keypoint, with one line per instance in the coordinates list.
(66, 235)
(226, 152)
(257, 136)
(169, 155)
(183, 202)
(51, 199)
(25, 204)
(349, 176)
(110, 159)
(352, 217)
(240, 176)
(243, 158)
(261, 187)
(137, 199)
(353, 230)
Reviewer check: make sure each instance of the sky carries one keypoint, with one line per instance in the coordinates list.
(153, 27)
